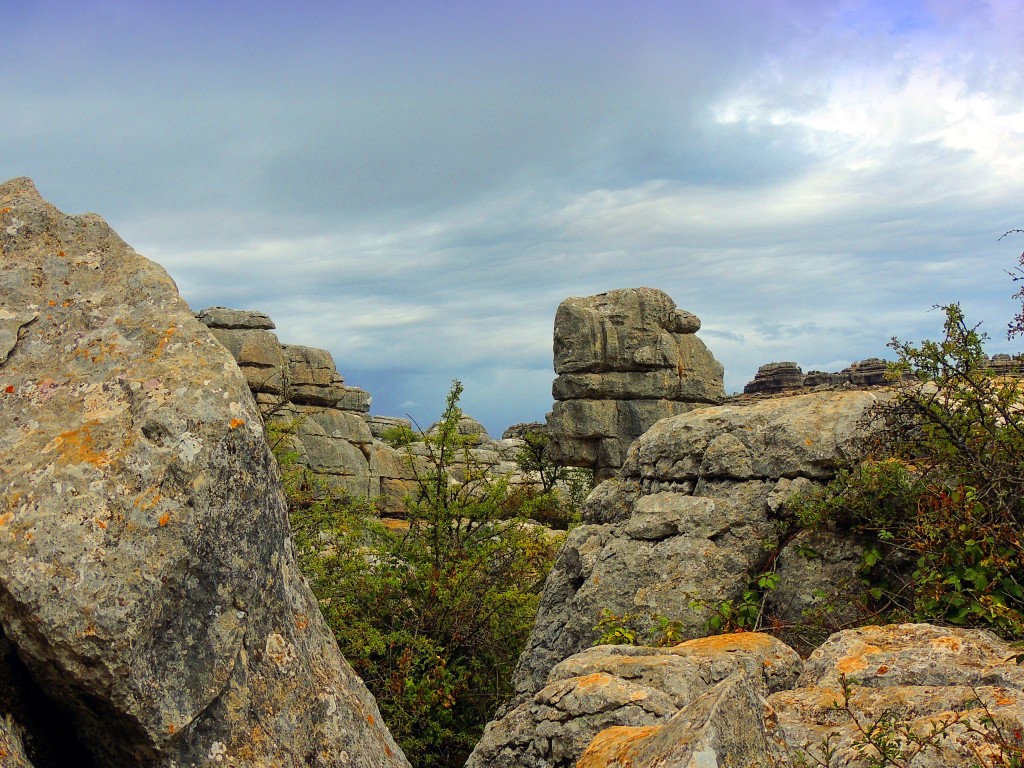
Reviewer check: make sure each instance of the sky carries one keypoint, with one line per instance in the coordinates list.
(416, 186)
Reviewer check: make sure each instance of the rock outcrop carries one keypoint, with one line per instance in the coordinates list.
(693, 513)
(743, 700)
(775, 378)
(616, 686)
(147, 579)
(300, 392)
(624, 359)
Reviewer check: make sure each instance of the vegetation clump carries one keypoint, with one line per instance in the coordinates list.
(434, 608)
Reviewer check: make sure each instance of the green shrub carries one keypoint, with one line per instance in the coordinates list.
(434, 610)
(943, 489)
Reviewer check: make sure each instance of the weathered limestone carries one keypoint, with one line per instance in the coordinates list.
(615, 685)
(919, 673)
(693, 512)
(323, 421)
(147, 577)
(775, 378)
(624, 359)
(737, 701)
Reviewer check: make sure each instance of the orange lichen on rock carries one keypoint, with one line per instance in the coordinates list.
(5, 518)
(597, 678)
(148, 499)
(164, 519)
(850, 664)
(616, 746)
(947, 643)
(166, 337)
(78, 447)
(236, 423)
(738, 641)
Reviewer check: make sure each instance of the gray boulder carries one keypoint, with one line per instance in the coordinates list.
(615, 686)
(692, 515)
(147, 578)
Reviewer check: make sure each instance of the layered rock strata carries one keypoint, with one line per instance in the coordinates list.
(775, 378)
(147, 578)
(693, 513)
(623, 360)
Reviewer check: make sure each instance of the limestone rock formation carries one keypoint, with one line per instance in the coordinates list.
(300, 392)
(147, 578)
(920, 673)
(624, 359)
(738, 701)
(776, 378)
(692, 513)
(615, 685)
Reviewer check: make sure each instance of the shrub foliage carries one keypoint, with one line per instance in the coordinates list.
(432, 610)
(942, 489)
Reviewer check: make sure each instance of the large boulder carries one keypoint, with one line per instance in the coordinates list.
(147, 577)
(693, 514)
(626, 686)
(958, 690)
(624, 359)
(930, 697)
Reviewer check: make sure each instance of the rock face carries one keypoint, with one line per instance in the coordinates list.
(624, 359)
(615, 685)
(300, 392)
(961, 680)
(693, 513)
(746, 700)
(147, 579)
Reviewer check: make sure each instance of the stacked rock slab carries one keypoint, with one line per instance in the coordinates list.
(624, 359)
(315, 415)
(694, 511)
(777, 378)
(147, 578)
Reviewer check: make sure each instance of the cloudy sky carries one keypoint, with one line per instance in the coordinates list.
(416, 185)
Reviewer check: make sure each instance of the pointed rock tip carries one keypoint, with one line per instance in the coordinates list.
(22, 186)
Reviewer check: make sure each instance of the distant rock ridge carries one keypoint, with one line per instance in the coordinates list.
(774, 378)
(787, 377)
(327, 424)
(624, 359)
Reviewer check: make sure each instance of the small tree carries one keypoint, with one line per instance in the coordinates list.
(434, 611)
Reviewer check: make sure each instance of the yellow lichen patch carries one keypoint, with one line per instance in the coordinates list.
(597, 678)
(236, 423)
(947, 643)
(78, 447)
(849, 664)
(148, 499)
(616, 746)
(166, 337)
(5, 518)
(1004, 698)
(737, 641)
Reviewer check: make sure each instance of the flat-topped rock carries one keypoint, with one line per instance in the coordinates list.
(235, 319)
